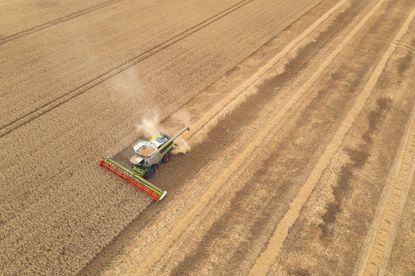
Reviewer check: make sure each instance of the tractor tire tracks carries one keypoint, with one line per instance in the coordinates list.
(375, 255)
(382, 234)
(56, 21)
(239, 161)
(51, 105)
(241, 92)
(275, 244)
(226, 107)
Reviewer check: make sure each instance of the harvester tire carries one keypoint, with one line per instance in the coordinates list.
(166, 158)
(150, 172)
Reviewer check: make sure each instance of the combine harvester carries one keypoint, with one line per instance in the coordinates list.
(148, 155)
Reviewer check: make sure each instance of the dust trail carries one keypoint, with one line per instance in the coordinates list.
(181, 146)
(181, 118)
(150, 126)
(126, 89)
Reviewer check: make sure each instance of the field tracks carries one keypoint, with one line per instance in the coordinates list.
(51, 105)
(382, 233)
(241, 92)
(56, 21)
(378, 246)
(302, 136)
(275, 244)
(186, 219)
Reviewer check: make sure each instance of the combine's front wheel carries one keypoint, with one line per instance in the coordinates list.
(150, 172)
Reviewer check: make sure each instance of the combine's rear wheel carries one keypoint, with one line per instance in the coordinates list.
(166, 158)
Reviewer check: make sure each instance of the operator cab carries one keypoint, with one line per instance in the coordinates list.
(160, 140)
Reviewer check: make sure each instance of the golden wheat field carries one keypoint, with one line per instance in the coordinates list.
(300, 157)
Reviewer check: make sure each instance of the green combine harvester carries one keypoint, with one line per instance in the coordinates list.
(148, 155)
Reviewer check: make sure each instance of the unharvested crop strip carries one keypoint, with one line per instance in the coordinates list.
(56, 21)
(183, 223)
(51, 105)
(280, 234)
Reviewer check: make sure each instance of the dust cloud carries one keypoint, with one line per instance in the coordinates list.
(150, 126)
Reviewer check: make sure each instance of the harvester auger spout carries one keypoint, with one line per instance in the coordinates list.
(148, 156)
